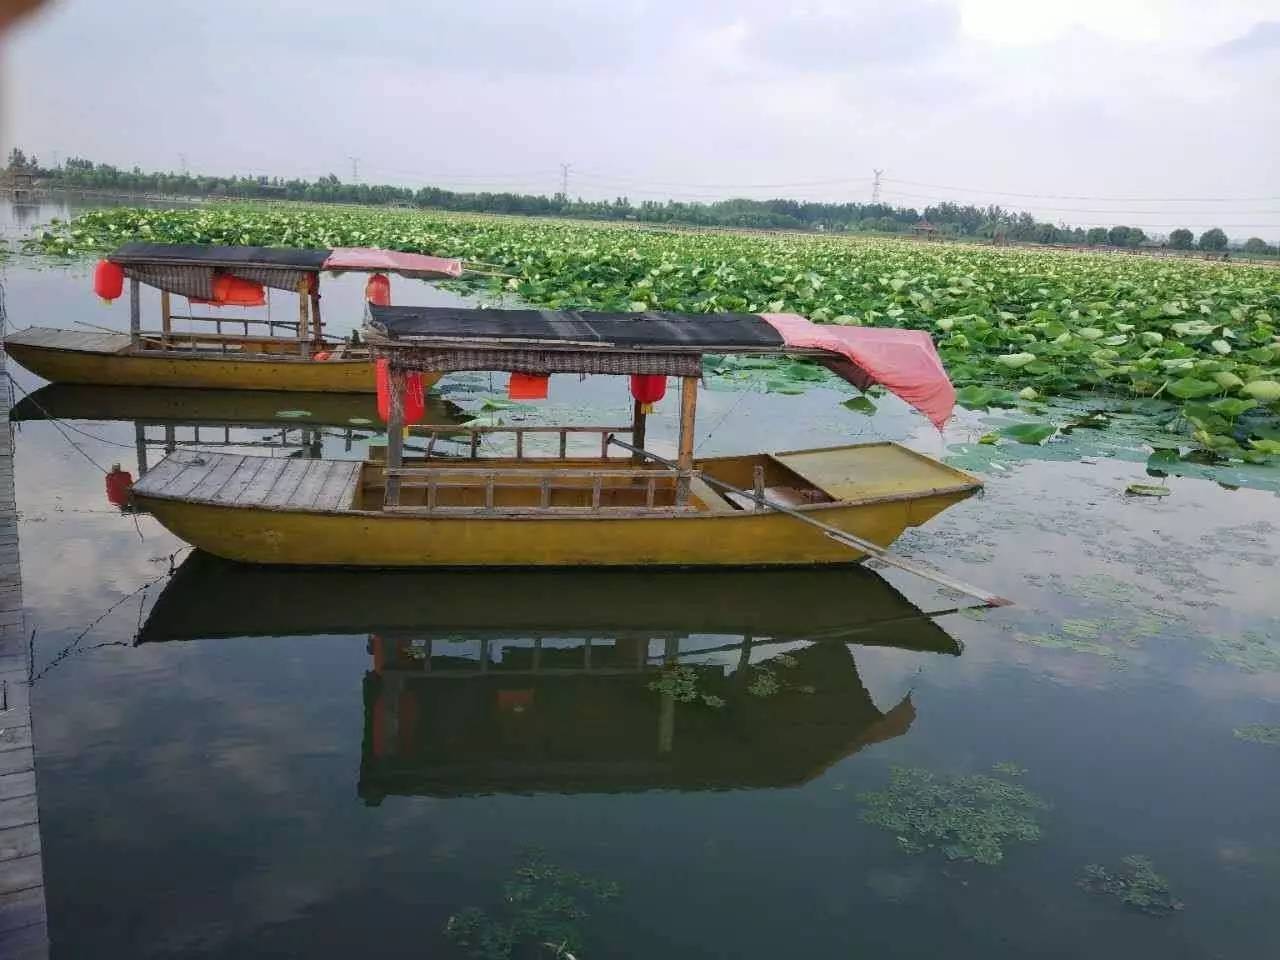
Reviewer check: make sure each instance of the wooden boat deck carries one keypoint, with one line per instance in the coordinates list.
(87, 341)
(277, 483)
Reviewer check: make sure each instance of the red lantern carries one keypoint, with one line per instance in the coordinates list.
(108, 280)
(119, 483)
(414, 401)
(378, 290)
(528, 386)
(648, 389)
(237, 292)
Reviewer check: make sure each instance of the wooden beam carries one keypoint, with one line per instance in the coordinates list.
(638, 422)
(395, 434)
(317, 323)
(684, 461)
(166, 318)
(304, 319)
(135, 311)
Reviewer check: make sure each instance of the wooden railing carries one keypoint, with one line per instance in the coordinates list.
(437, 430)
(546, 481)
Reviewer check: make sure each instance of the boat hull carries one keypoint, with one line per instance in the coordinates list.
(215, 373)
(357, 538)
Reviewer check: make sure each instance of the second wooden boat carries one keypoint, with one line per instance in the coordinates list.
(220, 351)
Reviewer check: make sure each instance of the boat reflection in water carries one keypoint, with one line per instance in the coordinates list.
(165, 419)
(562, 681)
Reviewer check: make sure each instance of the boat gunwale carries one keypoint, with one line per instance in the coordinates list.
(165, 355)
(583, 513)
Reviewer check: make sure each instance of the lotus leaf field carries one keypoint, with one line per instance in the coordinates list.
(1014, 326)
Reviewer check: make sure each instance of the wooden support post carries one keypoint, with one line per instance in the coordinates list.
(395, 433)
(684, 461)
(166, 319)
(303, 318)
(313, 281)
(758, 486)
(140, 446)
(638, 423)
(135, 313)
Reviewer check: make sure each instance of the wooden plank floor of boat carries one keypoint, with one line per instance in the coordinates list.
(84, 340)
(227, 479)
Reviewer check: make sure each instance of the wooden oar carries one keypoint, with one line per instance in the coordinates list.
(852, 541)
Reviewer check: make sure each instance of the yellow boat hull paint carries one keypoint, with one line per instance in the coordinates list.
(217, 373)
(358, 538)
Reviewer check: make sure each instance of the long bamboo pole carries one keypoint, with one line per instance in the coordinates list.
(842, 537)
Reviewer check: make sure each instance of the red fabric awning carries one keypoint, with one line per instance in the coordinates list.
(903, 361)
(370, 260)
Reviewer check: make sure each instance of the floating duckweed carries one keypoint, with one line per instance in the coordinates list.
(681, 684)
(967, 818)
(541, 903)
(1251, 651)
(1008, 768)
(1052, 641)
(1259, 733)
(763, 684)
(1135, 884)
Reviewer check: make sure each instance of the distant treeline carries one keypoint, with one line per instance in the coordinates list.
(948, 219)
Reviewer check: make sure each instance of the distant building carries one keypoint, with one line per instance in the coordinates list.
(923, 228)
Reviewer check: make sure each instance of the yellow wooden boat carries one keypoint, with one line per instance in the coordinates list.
(569, 508)
(220, 352)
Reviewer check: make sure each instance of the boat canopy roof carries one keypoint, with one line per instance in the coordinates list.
(187, 269)
(543, 341)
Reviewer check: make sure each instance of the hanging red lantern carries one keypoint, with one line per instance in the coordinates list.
(648, 389)
(378, 290)
(414, 401)
(108, 280)
(528, 386)
(119, 483)
(237, 292)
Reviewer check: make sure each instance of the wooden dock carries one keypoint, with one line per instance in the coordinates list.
(23, 928)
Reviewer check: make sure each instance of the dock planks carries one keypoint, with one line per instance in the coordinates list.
(23, 926)
(279, 483)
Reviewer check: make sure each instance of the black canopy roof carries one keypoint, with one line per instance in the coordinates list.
(576, 330)
(214, 256)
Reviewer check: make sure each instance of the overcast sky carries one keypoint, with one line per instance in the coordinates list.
(970, 100)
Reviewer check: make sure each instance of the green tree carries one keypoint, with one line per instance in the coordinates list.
(17, 159)
(1213, 239)
(1256, 245)
(1096, 235)
(1182, 239)
(1136, 236)
(1118, 236)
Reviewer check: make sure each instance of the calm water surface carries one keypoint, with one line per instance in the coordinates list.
(241, 763)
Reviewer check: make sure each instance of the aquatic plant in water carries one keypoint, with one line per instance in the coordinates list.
(966, 817)
(681, 684)
(1011, 325)
(1135, 884)
(1259, 733)
(1251, 651)
(543, 908)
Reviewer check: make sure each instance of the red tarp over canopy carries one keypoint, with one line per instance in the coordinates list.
(368, 259)
(903, 361)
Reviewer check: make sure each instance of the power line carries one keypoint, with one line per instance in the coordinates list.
(1064, 196)
(1109, 211)
(721, 186)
